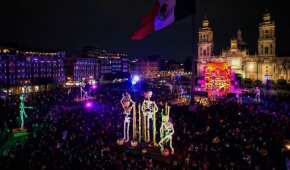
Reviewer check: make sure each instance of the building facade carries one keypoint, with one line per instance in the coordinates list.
(96, 63)
(147, 67)
(263, 66)
(86, 68)
(17, 67)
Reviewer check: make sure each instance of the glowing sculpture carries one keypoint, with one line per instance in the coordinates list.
(218, 77)
(149, 110)
(84, 94)
(22, 112)
(128, 104)
(166, 131)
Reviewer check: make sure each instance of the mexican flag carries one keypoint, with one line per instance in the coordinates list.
(163, 14)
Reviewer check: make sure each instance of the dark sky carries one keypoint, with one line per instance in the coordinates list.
(72, 24)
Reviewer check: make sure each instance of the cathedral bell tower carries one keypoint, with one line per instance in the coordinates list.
(205, 40)
(267, 39)
(205, 45)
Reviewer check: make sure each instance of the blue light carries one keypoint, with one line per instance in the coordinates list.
(135, 79)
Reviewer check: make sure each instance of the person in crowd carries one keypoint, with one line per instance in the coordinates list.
(224, 135)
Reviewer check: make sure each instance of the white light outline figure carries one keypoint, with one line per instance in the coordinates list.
(84, 94)
(127, 104)
(149, 109)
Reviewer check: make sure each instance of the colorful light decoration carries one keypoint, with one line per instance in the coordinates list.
(217, 79)
(146, 120)
(22, 108)
(146, 117)
(166, 132)
(84, 96)
(149, 110)
(127, 104)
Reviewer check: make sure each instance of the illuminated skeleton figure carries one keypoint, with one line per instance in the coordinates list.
(127, 104)
(84, 94)
(22, 108)
(69, 91)
(149, 109)
(166, 131)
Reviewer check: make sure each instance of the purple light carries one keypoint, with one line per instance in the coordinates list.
(94, 86)
(88, 104)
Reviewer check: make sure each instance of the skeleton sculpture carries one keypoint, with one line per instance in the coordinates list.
(84, 93)
(127, 104)
(166, 131)
(149, 109)
(22, 108)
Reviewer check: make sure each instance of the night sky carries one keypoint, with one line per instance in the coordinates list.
(72, 24)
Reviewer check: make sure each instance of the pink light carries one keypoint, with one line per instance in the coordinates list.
(218, 79)
(94, 86)
(88, 104)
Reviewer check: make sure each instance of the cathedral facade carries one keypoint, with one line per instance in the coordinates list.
(263, 66)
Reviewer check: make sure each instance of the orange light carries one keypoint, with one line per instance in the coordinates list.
(217, 78)
(287, 146)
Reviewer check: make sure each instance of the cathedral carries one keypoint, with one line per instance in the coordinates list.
(263, 66)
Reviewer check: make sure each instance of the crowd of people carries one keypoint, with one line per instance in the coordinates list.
(65, 135)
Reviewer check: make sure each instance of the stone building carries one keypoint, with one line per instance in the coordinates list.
(264, 65)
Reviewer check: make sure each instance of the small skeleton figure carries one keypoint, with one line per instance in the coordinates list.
(127, 104)
(84, 93)
(166, 132)
(68, 91)
(149, 108)
(22, 108)
(258, 94)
